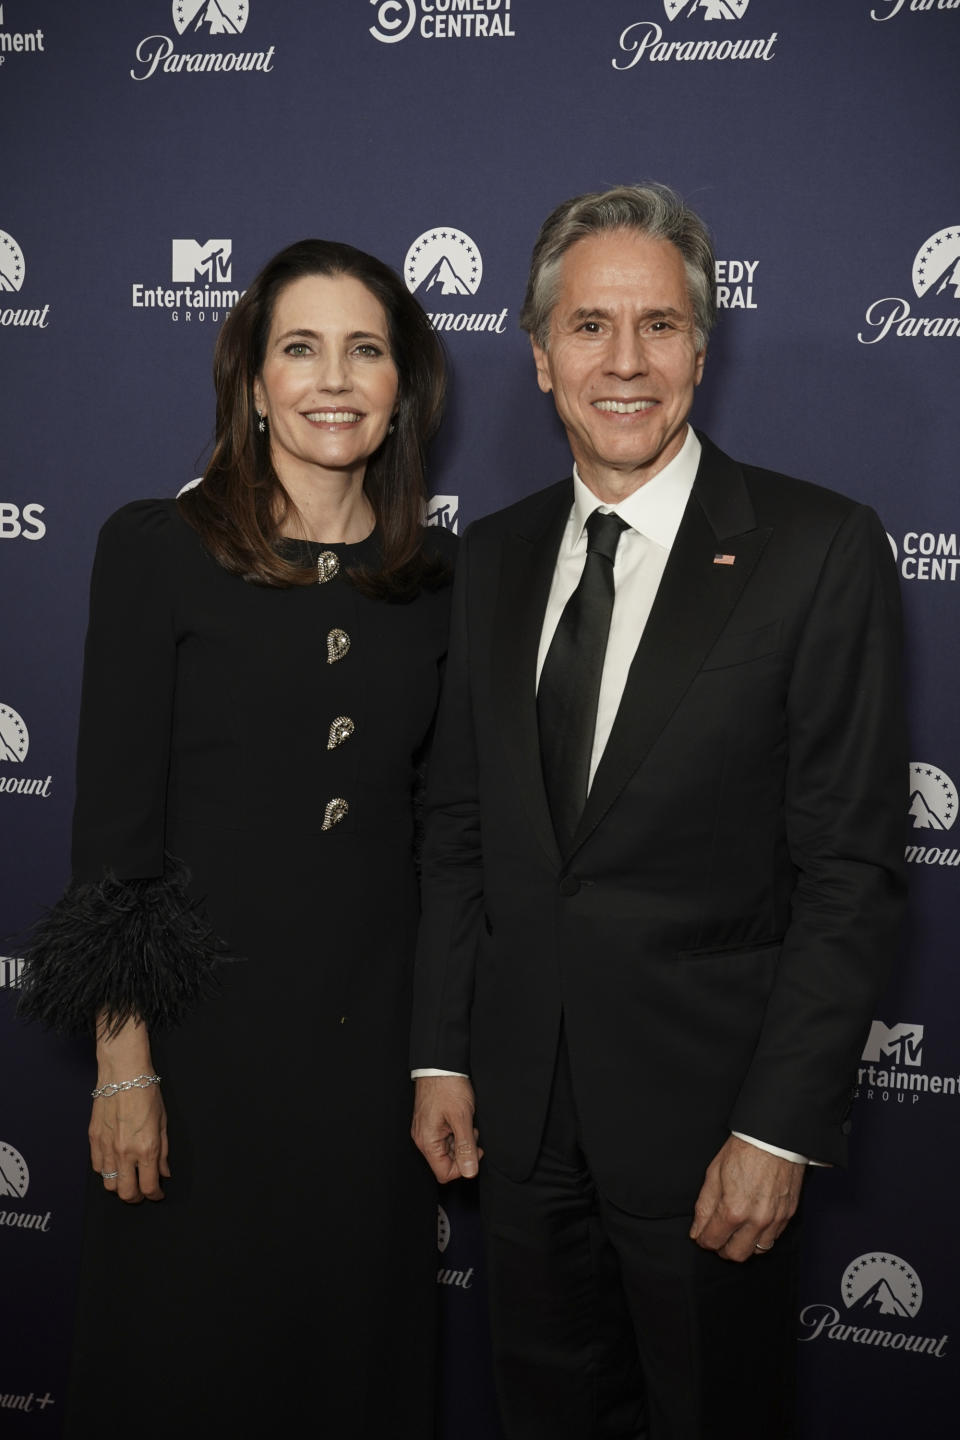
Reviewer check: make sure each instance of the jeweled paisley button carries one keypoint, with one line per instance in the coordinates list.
(327, 566)
(341, 729)
(338, 643)
(334, 812)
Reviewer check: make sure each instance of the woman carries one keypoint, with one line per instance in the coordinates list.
(261, 673)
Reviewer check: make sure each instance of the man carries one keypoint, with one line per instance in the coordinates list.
(663, 872)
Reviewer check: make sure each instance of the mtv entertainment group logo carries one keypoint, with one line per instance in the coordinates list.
(443, 268)
(875, 1286)
(643, 39)
(444, 512)
(891, 1067)
(936, 280)
(14, 744)
(18, 42)
(933, 807)
(13, 269)
(442, 20)
(202, 20)
(199, 272)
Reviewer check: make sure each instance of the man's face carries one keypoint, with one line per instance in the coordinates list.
(622, 360)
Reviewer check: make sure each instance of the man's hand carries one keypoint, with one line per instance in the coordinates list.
(443, 1128)
(747, 1198)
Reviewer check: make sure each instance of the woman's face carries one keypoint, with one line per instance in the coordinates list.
(329, 384)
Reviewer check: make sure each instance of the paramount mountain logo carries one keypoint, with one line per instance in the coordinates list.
(14, 736)
(933, 798)
(891, 1066)
(875, 1286)
(14, 1183)
(936, 277)
(13, 270)
(883, 1283)
(443, 267)
(643, 40)
(443, 1229)
(201, 275)
(708, 9)
(14, 744)
(14, 1175)
(201, 20)
(217, 17)
(12, 264)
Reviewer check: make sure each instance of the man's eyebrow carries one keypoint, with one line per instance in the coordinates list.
(597, 312)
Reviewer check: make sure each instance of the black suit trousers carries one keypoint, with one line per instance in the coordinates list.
(611, 1326)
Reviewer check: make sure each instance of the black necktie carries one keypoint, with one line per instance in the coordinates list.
(570, 680)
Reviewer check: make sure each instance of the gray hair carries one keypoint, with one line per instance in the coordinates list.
(652, 210)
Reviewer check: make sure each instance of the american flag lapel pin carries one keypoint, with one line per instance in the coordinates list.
(724, 559)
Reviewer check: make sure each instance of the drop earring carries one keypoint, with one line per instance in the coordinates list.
(261, 422)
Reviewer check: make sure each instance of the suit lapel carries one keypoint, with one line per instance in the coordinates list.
(528, 559)
(692, 606)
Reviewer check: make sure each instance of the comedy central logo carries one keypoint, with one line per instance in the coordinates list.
(707, 9)
(935, 274)
(216, 17)
(442, 20)
(14, 1175)
(933, 797)
(443, 268)
(14, 736)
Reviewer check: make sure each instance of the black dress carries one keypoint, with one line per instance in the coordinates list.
(266, 740)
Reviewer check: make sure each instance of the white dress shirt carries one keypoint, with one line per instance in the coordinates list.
(652, 514)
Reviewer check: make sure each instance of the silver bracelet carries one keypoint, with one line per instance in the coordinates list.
(140, 1082)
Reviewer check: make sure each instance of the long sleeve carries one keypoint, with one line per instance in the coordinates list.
(845, 808)
(125, 937)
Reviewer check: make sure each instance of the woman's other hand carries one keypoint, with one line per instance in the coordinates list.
(128, 1131)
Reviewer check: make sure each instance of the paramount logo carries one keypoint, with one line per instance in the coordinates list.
(875, 1286)
(217, 19)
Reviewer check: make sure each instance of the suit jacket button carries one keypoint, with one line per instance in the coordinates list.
(569, 886)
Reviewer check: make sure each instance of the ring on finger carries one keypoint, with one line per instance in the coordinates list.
(109, 1174)
(764, 1249)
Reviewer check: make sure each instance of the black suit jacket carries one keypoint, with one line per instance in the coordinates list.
(718, 934)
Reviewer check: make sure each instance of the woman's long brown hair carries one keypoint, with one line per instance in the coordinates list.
(239, 509)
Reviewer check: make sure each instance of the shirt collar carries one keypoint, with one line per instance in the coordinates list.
(654, 509)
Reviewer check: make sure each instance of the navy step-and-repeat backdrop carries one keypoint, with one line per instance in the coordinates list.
(155, 154)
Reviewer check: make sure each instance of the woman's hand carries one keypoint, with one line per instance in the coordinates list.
(128, 1131)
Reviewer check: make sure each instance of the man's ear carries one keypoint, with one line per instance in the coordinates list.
(542, 362)
(701, 361)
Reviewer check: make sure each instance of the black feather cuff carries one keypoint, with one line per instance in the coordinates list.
(128, 948)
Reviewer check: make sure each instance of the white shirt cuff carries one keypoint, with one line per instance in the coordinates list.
(416, 1074)
(777, 1150)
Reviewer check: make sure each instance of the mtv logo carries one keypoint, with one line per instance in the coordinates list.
(902, 1044)
(193, 261)
(444, 511)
